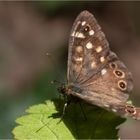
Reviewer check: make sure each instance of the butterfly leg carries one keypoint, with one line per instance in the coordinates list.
(64, 109)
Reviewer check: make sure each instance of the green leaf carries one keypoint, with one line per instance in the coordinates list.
(43, 121)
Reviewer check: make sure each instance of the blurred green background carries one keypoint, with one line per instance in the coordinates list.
(29, 30)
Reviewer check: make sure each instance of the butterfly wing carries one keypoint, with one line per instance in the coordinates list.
(110, 86)
(95, 74)
(85, 40)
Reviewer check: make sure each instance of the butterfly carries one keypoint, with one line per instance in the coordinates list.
(95, 74)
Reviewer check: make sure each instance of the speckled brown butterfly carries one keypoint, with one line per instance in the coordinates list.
(95, 74)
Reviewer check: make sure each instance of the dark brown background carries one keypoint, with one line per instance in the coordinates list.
(29, 30)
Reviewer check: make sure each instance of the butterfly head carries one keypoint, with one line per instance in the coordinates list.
(63, 89)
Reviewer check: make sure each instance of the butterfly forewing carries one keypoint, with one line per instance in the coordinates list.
(85, 40)
(95, 74)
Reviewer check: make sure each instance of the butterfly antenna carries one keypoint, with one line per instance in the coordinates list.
(56, 82)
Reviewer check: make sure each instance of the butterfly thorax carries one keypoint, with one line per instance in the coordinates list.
(66, 89)
(62, 89)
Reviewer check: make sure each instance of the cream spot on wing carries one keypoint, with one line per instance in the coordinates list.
(112, 89)
(73, 33)
(99, 49)
(79, 49)
(91, 32)
(106, 105)
(93, 65)
(103, 71)
(83, 23)
(89, 45)
(79, 59)
(102, 59)
(114, 110)
(79, 35)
